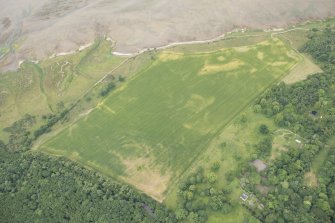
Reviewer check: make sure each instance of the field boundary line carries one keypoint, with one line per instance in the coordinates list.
(220, 130)
(218, 38)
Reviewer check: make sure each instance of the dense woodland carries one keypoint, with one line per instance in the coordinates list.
(199, 194)
(308, 109)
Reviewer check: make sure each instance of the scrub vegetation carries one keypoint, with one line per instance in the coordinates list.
(53, 84)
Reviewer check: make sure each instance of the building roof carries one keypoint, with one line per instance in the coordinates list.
(244, 196)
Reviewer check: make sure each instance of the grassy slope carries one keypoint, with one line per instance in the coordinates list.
(37, 88)
(20, 94)
(150, 130)
(66, 78)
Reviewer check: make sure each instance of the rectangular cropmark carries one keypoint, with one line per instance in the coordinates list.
(152, 128)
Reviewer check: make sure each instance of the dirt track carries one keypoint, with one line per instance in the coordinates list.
(35, 29)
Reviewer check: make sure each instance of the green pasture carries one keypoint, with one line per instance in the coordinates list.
(66, 78)
(20, 93)
(151, 129)
(37, 89)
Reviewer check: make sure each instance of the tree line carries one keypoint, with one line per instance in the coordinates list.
(308, 109)
(36, 187)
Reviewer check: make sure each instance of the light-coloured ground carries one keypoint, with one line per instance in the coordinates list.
(146, 178)
(311, 179)
(300, 72)
(35, 29)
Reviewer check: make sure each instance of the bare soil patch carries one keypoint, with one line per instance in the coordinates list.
(264, 190)
(259, 165)
(300, 72)
(146, 178)
(311, 179)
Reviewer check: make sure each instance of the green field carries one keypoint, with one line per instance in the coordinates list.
(232, 148)
(149, 131)
(38, 88)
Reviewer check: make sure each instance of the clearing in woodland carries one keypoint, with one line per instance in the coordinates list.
(151, 129)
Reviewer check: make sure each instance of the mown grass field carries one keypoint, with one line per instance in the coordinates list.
(151, 129)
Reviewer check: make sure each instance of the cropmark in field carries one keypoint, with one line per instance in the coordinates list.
(150, 130)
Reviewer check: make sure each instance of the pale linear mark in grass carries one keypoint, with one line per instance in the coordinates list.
(166, 56)
(265, 43)
(253, 70)
(278, 63)
(260, 55)
(221, 58)
(145, 178)
(208, 69)
(292, 55)
(71, 129)
(279, 43)
(83, 95)
(63, 65)
(197, 103)
(214, 68)
(41, 85)
(188, 126)
(74, 155)
(41, 141)
(219, 132)
(86, 113)
(109, 109)
(201, 128)
(140, 146)
(243, 49)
